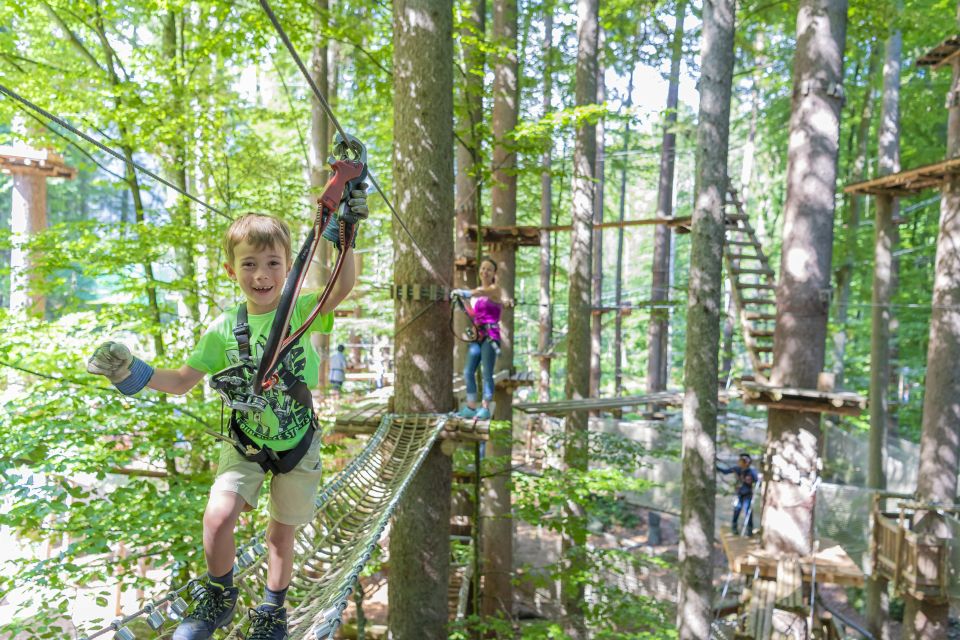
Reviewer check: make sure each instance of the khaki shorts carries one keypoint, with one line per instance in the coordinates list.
(292, 494)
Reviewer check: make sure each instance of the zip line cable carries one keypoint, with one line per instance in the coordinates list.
(343, 134)
(69, 127)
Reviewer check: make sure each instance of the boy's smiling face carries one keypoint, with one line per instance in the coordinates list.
(260, 274)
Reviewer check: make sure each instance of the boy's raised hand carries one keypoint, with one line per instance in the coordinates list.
(128, 373)
(111, 360)
(357, 205)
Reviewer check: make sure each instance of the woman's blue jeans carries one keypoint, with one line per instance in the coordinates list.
(480, 353)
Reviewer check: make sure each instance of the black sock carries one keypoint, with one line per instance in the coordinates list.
(273, 598)
(225, 581)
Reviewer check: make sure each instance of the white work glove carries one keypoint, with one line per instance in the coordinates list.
(114, 361)
(461, 293)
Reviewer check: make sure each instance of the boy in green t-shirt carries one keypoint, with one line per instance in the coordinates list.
(258, 258)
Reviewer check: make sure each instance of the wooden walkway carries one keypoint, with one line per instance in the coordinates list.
(806, 400)
(834, 566)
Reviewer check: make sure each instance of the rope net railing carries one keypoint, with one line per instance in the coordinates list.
(352, 513)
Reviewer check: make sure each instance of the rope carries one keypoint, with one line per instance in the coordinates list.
(437, 273)
(353, 510)
(69, 127)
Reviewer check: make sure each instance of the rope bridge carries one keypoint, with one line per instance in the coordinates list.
(331, 551)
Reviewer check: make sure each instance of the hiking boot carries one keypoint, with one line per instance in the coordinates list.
(466, 412)
(213, 607)
(483, 414)
(267, 623)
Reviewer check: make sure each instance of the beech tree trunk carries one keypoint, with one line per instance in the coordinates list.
(704, 307)
(320, 148)
(885, 241)
(423, 173)
(844, 274)
(940, 435)
(469, 152)
(576, 455)
(660, 283)
(618, 326)
(803, 296)
(544, 344)
(497, 523)
(596, 319)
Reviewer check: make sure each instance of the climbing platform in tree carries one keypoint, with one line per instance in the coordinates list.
(808, 400)
(834, 566)
(942, 54)
(21, 159)
(751, 286)
(917, 564)
(905, 183)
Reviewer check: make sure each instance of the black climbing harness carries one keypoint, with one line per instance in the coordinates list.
(473, 332)
(240, 375)
(469, 334)
(242, 385)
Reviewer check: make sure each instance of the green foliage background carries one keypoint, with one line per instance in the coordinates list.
(228, 106)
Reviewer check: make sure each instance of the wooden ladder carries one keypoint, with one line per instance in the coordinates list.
(752, 287)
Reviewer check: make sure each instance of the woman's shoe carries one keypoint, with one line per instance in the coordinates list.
(466, 412)
(483, 414)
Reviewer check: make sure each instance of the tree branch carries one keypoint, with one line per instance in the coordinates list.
(74, 39)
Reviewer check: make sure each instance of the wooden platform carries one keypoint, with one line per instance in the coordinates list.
(43, 162)
(942, 54)
(563, 407)
(906, 183)
(520, 236)
(365, 420)
(808, 400)
(834, 566)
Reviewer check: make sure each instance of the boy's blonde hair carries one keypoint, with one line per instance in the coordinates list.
(261, 231)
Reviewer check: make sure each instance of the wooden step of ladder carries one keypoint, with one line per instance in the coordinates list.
(744, 256)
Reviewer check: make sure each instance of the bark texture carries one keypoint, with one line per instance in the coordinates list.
(618, 282)
(546, 213)
(596, 293)
(803, 296)
(940, 435)
(423, 171)
(576, 456)
(659, 328)
(884, 286)
(319, 149)
(497, 523)
(704, 306)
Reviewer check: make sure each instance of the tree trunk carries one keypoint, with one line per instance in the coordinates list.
(576, 455)
(320, 147)
(423, 173)
(844, 274)
(803, 296)
(182, 214)
(704, 306)
(497, 522)
(885, 239)
(940, 435)
(660, 283)
(618, 326)
(546, 213)
(28, 218)
(469, 151)
(596, 291)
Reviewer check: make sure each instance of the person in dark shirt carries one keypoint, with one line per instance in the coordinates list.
(747, 480)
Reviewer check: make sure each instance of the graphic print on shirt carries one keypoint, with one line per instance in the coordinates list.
(284, 418)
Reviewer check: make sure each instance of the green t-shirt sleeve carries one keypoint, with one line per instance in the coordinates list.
(210, 354)
(323, 322)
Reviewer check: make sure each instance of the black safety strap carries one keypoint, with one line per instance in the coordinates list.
(269, 460)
